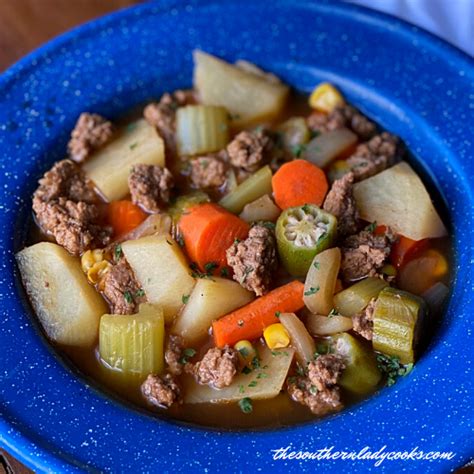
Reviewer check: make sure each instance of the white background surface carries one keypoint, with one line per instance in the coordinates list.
(452, 20)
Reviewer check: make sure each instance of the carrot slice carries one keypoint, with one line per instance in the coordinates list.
(405, 249)
(124, 216)
(208, 231)
(299, 182)
(249, 321)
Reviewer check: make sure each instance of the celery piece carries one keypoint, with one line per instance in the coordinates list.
(132, 345)
(361, 375)
(295, 133)
(397, 319)
(354, 299)
(254, 187)
(201, 129)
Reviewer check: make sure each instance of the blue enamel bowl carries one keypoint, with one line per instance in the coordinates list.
(413, 84)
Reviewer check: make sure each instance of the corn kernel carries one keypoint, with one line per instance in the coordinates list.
(247, 352)
(97, 271)
(325, 98)
(91, 257)
(276, 336)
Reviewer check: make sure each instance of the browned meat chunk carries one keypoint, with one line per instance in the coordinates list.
(161, 391)
(65, 179)
(363, 322)
(254, 260)
(208, 172)
(344, 116)
(64, 205)
(341, 203)
(325, 371)
(90, 133)
(363, 254)
(218, 367)
(173, 354)
(249, 149)
(73, 224)
(162, 115)
(150, 186)
(121, 289)
(374, 156)
(319, 390)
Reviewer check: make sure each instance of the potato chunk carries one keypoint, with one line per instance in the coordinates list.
(209, 300)
(67, 306)
(397, 198)
(247, 96)
(110, 166)
(161, 270)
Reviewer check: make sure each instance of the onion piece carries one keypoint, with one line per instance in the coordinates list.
(301, 339)
(262, 209)
(155, 224)
(322, 149)
(326, 326)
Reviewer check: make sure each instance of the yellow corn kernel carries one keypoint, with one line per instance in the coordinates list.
(247, 352)
(441, 267)
(91, 257)
(325, 98)
(97, 271)
(276, 336)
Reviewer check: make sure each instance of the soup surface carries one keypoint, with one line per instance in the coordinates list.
(237, 255)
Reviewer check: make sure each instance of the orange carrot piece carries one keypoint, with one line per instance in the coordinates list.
(208, 231)
(249, 321)
(405, 249)
(299, 182)
(124, 216)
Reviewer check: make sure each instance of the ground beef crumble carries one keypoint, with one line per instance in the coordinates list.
(249, 149)
(340, 202)
(208, 171)
(254, 260)
(218, 367)
(65, 207)
(344, 116)
(161, 391)
(364, 254)
(121, 289)
(173, 355)
(374, 156)
(91, 132)
(150, 186)
(162, 115)
(318, 390)
(363, 322)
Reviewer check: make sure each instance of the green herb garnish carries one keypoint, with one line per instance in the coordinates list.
(278, 314)
(185, 299)
(246, 405)
(128, 297)
(224, 272)
(311, 291)
(371, 227)
(210, 267)
(297, 150)
(317, 265)
(186, 355)
(133, 146)
(117, 252)
(139, 293)
(253, 383)
(392, 368)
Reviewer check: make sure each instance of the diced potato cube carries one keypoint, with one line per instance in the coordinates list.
(398, 198)
(249, 97)
(210, 299)
(67, 306)
(133, 344)
(109, 167)
(161, 270)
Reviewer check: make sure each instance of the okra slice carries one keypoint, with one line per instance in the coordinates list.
(361, 375)
(398, 317)
(302, 232)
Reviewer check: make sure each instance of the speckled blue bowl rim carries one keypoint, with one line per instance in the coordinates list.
(409, 81)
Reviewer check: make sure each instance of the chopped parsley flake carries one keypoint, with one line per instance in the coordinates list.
(297, 150)
(262, 375)
(187, 354)
(253, 383)
(224, 272)
(278, 314)
(313, 390)
(371, 227)
(311, 291)
(246, 370)
(256, 363)
(128, 297)
(246, 405)
(133, 146)
(244, 352)
(306, 208)
(117, 252)
(185, 299)
(140, 292)
(392, 368)
(317, 265)
(210, 267)
(241, 389)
